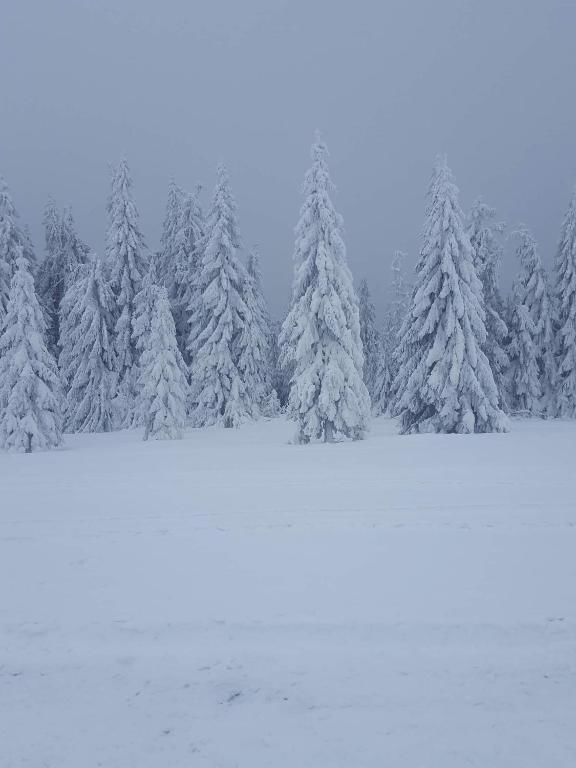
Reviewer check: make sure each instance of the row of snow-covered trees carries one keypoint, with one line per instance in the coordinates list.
(454, 355)
(136, 338)
(184, 335)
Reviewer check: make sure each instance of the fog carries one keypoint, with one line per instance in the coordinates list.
(178, 85)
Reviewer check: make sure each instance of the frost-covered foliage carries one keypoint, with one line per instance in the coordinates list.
(163, 380)
(65, 252)
(566, 315)
(321, 334)
(485, 233)
(127, 264)
(144, 303)
(189, 241)
(376, 374)
(144, 306)
(281, 374)
(87, 356)
(30, 388)
(532, 367)
(445, 383)
(168, 240)
(219, 394)
(393, 321)
(14, 241)
(256, 362)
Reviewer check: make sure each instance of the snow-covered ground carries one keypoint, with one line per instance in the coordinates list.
(231, 600)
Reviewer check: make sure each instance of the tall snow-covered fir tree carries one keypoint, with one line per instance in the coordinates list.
(13, 242)
(144, 306)
(565, 292)
(376, 376)
(281, 373)
(65, 252)
(532, 368)
(30, 387)
(394, 318)
(219, 394)
(163, 384)
(127, 263)
(168, 240)
(445, 383)
(321, 334)
(255, 362)
(189, 242)
(87, 356)
(144, 303)
(484, 232)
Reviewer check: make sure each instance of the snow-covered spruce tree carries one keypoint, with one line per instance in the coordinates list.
(144, 302)
(13, 241)
(321, 334)
(65, 252)
(444, 383)
(163, 380)
(87, 357)
(127, 263)
(144, 306)
(219, 394)
(375, 371)
(168, 239)
(50, 288)
(532, 369)
(393, 321)
(189, 240)
(565, 290)
(256, 363)
(30, 388)
(400, 300)
(281, 373)
(484, 233)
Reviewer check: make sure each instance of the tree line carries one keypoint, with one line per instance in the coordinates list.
(184, 336)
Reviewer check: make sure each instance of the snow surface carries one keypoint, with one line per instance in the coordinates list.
(231, 600)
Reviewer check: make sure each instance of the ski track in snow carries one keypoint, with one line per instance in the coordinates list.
(234, 601)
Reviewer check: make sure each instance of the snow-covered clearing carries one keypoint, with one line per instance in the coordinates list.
(233, 600)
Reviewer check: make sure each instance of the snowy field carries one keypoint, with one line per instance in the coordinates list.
(234, 601)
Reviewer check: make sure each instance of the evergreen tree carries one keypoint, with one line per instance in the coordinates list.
(13, 242)
(87, 358)
(393, 321)
(76, 250)
(484, 232)
(169, 238)
(144, 302)
(219, 394)
(444, 383)
(127, 264)
(321, 333)
(50, 286)
(30, 389)
(566, 315)
(144, 306)
(281, 373)
(189, 242)
(163, 375)
(376, 376)
(65, 252)
(256, 363)
(532, 369)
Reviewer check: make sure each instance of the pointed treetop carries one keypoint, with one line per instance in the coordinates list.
(7, 208)
(253, 264)
(527, 250)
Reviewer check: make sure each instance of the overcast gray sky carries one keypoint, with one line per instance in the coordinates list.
(177, 85)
